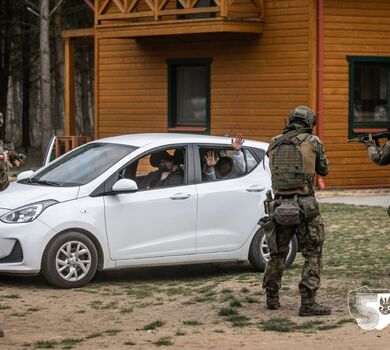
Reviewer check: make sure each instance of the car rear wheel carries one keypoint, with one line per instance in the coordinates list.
(259, 253)
(70, 260)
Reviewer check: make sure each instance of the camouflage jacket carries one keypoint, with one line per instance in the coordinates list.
(4, 182)
(380, 156)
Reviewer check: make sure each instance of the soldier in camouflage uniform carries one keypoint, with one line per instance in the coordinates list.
(3, 162)
(380, 156)
(310, 233)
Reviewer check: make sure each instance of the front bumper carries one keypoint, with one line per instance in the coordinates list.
(32, 238)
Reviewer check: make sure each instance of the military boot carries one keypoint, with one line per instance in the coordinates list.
(273, 301)
(314, 309)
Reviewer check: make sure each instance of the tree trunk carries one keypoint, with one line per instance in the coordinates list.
(46, 120)
(59, 99)
(4, 61)
(26, 69)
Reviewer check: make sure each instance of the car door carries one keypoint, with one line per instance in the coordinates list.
(155, 222)
(228, 210)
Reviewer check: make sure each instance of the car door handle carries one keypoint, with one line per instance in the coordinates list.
(180, 196)
(255, 188)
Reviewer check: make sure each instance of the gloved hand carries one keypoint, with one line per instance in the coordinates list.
(370, 142)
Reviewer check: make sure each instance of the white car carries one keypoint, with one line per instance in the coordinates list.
(104, 205)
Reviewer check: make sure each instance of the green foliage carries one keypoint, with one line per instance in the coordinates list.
(153, 325)
(225, 311)
(192, 323)
(164, 341)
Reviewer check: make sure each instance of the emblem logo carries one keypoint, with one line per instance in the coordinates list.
(370, 308)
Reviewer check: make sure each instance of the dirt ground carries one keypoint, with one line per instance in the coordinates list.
(105, 315)
(205, 306)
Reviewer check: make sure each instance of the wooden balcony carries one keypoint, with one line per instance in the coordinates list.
(136, 18)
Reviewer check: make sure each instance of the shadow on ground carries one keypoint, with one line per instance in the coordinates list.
(145, 274)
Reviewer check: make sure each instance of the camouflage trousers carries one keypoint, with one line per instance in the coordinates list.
(310, 236)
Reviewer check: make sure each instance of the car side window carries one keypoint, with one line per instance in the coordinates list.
(223, 163)
(251, 161)
(158, 169)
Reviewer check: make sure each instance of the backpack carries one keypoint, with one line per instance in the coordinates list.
(288, 165)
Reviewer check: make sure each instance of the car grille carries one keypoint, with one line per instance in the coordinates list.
(16, 255)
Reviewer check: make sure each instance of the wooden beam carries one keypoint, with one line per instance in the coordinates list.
(69, 87)
(78, 33)
(174, 27)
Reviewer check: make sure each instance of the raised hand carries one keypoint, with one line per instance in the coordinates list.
(237, 142)
(210, 159)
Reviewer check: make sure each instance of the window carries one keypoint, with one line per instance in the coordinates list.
(369, 93)
(221, 163)
(83, 164)
(189, 95)
(161, 168)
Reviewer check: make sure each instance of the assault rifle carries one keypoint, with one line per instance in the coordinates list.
(376, 136)
(12, 154)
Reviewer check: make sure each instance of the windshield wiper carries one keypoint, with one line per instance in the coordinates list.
(42, 182)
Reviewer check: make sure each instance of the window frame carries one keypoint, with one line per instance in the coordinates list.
(106, 187)
(172, 94)
(364, 126)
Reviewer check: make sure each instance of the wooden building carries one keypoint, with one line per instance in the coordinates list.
(208, 66)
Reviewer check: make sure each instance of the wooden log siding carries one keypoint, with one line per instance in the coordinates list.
(355, 28)
(255, 80)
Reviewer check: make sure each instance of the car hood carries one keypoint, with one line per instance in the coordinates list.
(18, 195)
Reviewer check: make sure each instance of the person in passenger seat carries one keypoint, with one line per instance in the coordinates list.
(225, 167)
(166, 175)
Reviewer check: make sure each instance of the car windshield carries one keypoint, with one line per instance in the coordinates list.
(82, 165)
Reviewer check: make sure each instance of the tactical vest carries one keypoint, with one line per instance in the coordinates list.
(292, 164)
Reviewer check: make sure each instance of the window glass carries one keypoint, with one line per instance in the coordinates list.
(162, 168)
(83, 164)
(251, 161)
(189, 93)
(221, 163)
(371, 84)
(191, 96)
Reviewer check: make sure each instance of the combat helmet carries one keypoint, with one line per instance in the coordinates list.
(302, 115)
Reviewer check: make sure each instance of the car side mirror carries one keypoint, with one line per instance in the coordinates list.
(125, 186)
(24, 175)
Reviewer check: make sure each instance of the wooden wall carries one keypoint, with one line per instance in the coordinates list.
(355, 28)
(255, 80)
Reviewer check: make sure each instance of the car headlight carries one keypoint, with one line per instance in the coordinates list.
(27, 213)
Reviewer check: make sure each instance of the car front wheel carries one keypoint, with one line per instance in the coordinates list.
(259, 253)
(70, 260)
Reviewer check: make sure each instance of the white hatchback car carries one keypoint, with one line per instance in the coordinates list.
(105, 206)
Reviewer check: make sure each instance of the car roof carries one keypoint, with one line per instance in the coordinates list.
(158, 139)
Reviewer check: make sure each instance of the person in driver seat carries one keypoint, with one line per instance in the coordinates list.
(166, 175)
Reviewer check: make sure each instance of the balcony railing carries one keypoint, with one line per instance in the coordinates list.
(152, 11)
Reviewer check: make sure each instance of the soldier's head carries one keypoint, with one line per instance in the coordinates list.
(1, 120)
(302, 115)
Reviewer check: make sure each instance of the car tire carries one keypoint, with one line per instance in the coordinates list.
(259, 253)
(70, 260)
